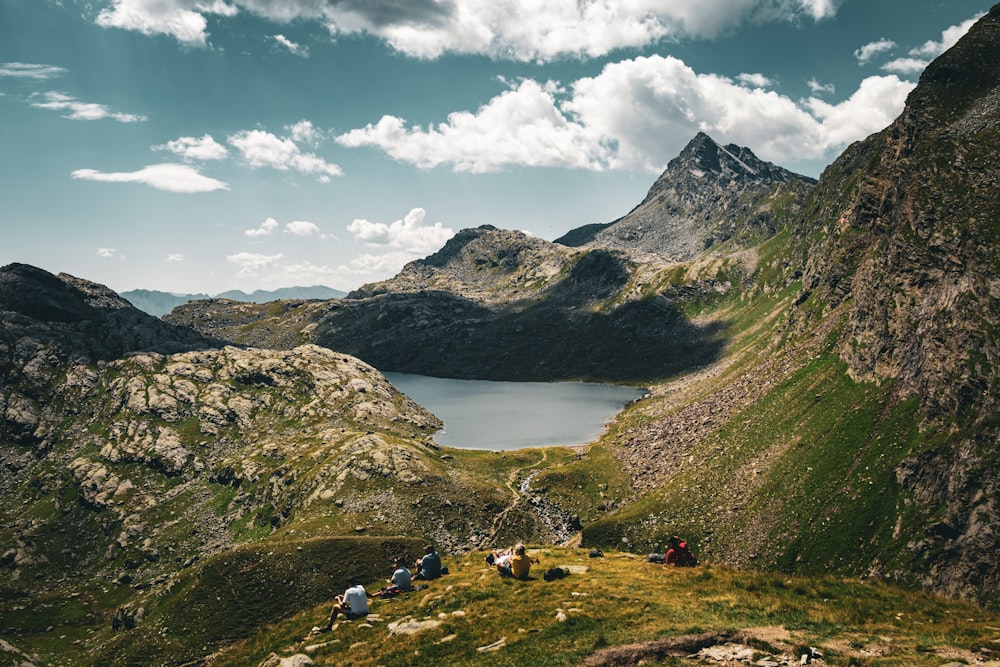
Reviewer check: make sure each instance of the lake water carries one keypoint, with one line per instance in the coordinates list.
(481, 414)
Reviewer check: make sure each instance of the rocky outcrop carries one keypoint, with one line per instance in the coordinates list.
(707, 196)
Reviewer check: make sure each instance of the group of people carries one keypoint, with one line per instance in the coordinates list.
(353, 604)
(513, 562)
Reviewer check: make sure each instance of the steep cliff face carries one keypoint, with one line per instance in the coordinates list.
(709, 194)
(909, 244)
(912, 221)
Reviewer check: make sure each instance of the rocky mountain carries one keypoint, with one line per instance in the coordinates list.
(132, 450)
(708, 195)
(544, 311)
(863, 436)
(160, 303)
(909, 224)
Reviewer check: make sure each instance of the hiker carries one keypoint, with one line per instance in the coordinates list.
(678, 553)
(518, 565)
(352, 604)
(428, 567)
(501, 559)
(401, 578)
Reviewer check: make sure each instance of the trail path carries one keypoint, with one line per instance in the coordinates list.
(516, 498)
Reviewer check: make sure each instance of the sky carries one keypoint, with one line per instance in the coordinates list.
(198, 146)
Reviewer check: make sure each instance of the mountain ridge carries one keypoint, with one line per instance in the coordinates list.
(159, 303)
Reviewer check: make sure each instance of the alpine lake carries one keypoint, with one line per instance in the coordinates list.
(484, 414)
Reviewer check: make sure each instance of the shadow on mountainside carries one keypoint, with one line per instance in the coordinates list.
(567, 332)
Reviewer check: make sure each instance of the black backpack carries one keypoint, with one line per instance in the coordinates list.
(554, 573)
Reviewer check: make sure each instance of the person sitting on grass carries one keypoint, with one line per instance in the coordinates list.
(517, 565)
(401, 576)
(429, 567)
(352, 604)
(678, 554)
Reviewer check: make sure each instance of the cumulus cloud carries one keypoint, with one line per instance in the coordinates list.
(816, 87)
(30, 71)
(263, 149)
(107, 253)
(754, 80)
(183, 20)
(301, 228)
(170, 177)
(865, 54)
(77, 110)
(521, 126)
(949, 37)
(409, 236)
(630, 116)
(511, 29)
(193, 148)
(293, 48)
(920, 57)
(251, 264)
(266, 228)
(304, 132)
(175, 258)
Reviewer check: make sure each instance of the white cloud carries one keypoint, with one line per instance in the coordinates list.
(251, 264)
(409, 235)
(634, 115)
(175, 258)
(816, 87)
(754, 80)
(301, 228)
(949, 37)
(78, 110)
(193, 148)
(522, 126)
(871, 108)
(872, 49)
(169, 177)
(31, 71)
(263, 149)
(304, 132)
(107, 253)
(293, 48)
(524, 30)
(183, 20)
(267, 227)
(920, 57)
(906, 66)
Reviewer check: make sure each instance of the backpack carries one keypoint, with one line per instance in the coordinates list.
(596, 553)
(656, 558)
(554, 573)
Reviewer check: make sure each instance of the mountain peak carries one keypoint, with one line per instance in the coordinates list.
(703, 197)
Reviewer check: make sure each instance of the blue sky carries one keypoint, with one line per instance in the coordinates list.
(207, 145)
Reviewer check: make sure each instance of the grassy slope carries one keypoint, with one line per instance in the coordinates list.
(622, 599)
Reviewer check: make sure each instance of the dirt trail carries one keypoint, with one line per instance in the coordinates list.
(516, 498)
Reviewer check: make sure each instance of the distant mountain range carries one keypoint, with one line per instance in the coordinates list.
(158, 303)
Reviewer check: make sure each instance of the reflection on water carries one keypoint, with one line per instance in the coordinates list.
(481, 414)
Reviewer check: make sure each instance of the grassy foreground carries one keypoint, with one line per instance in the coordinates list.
(473, 617)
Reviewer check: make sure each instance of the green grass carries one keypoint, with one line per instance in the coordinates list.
(622, 599)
